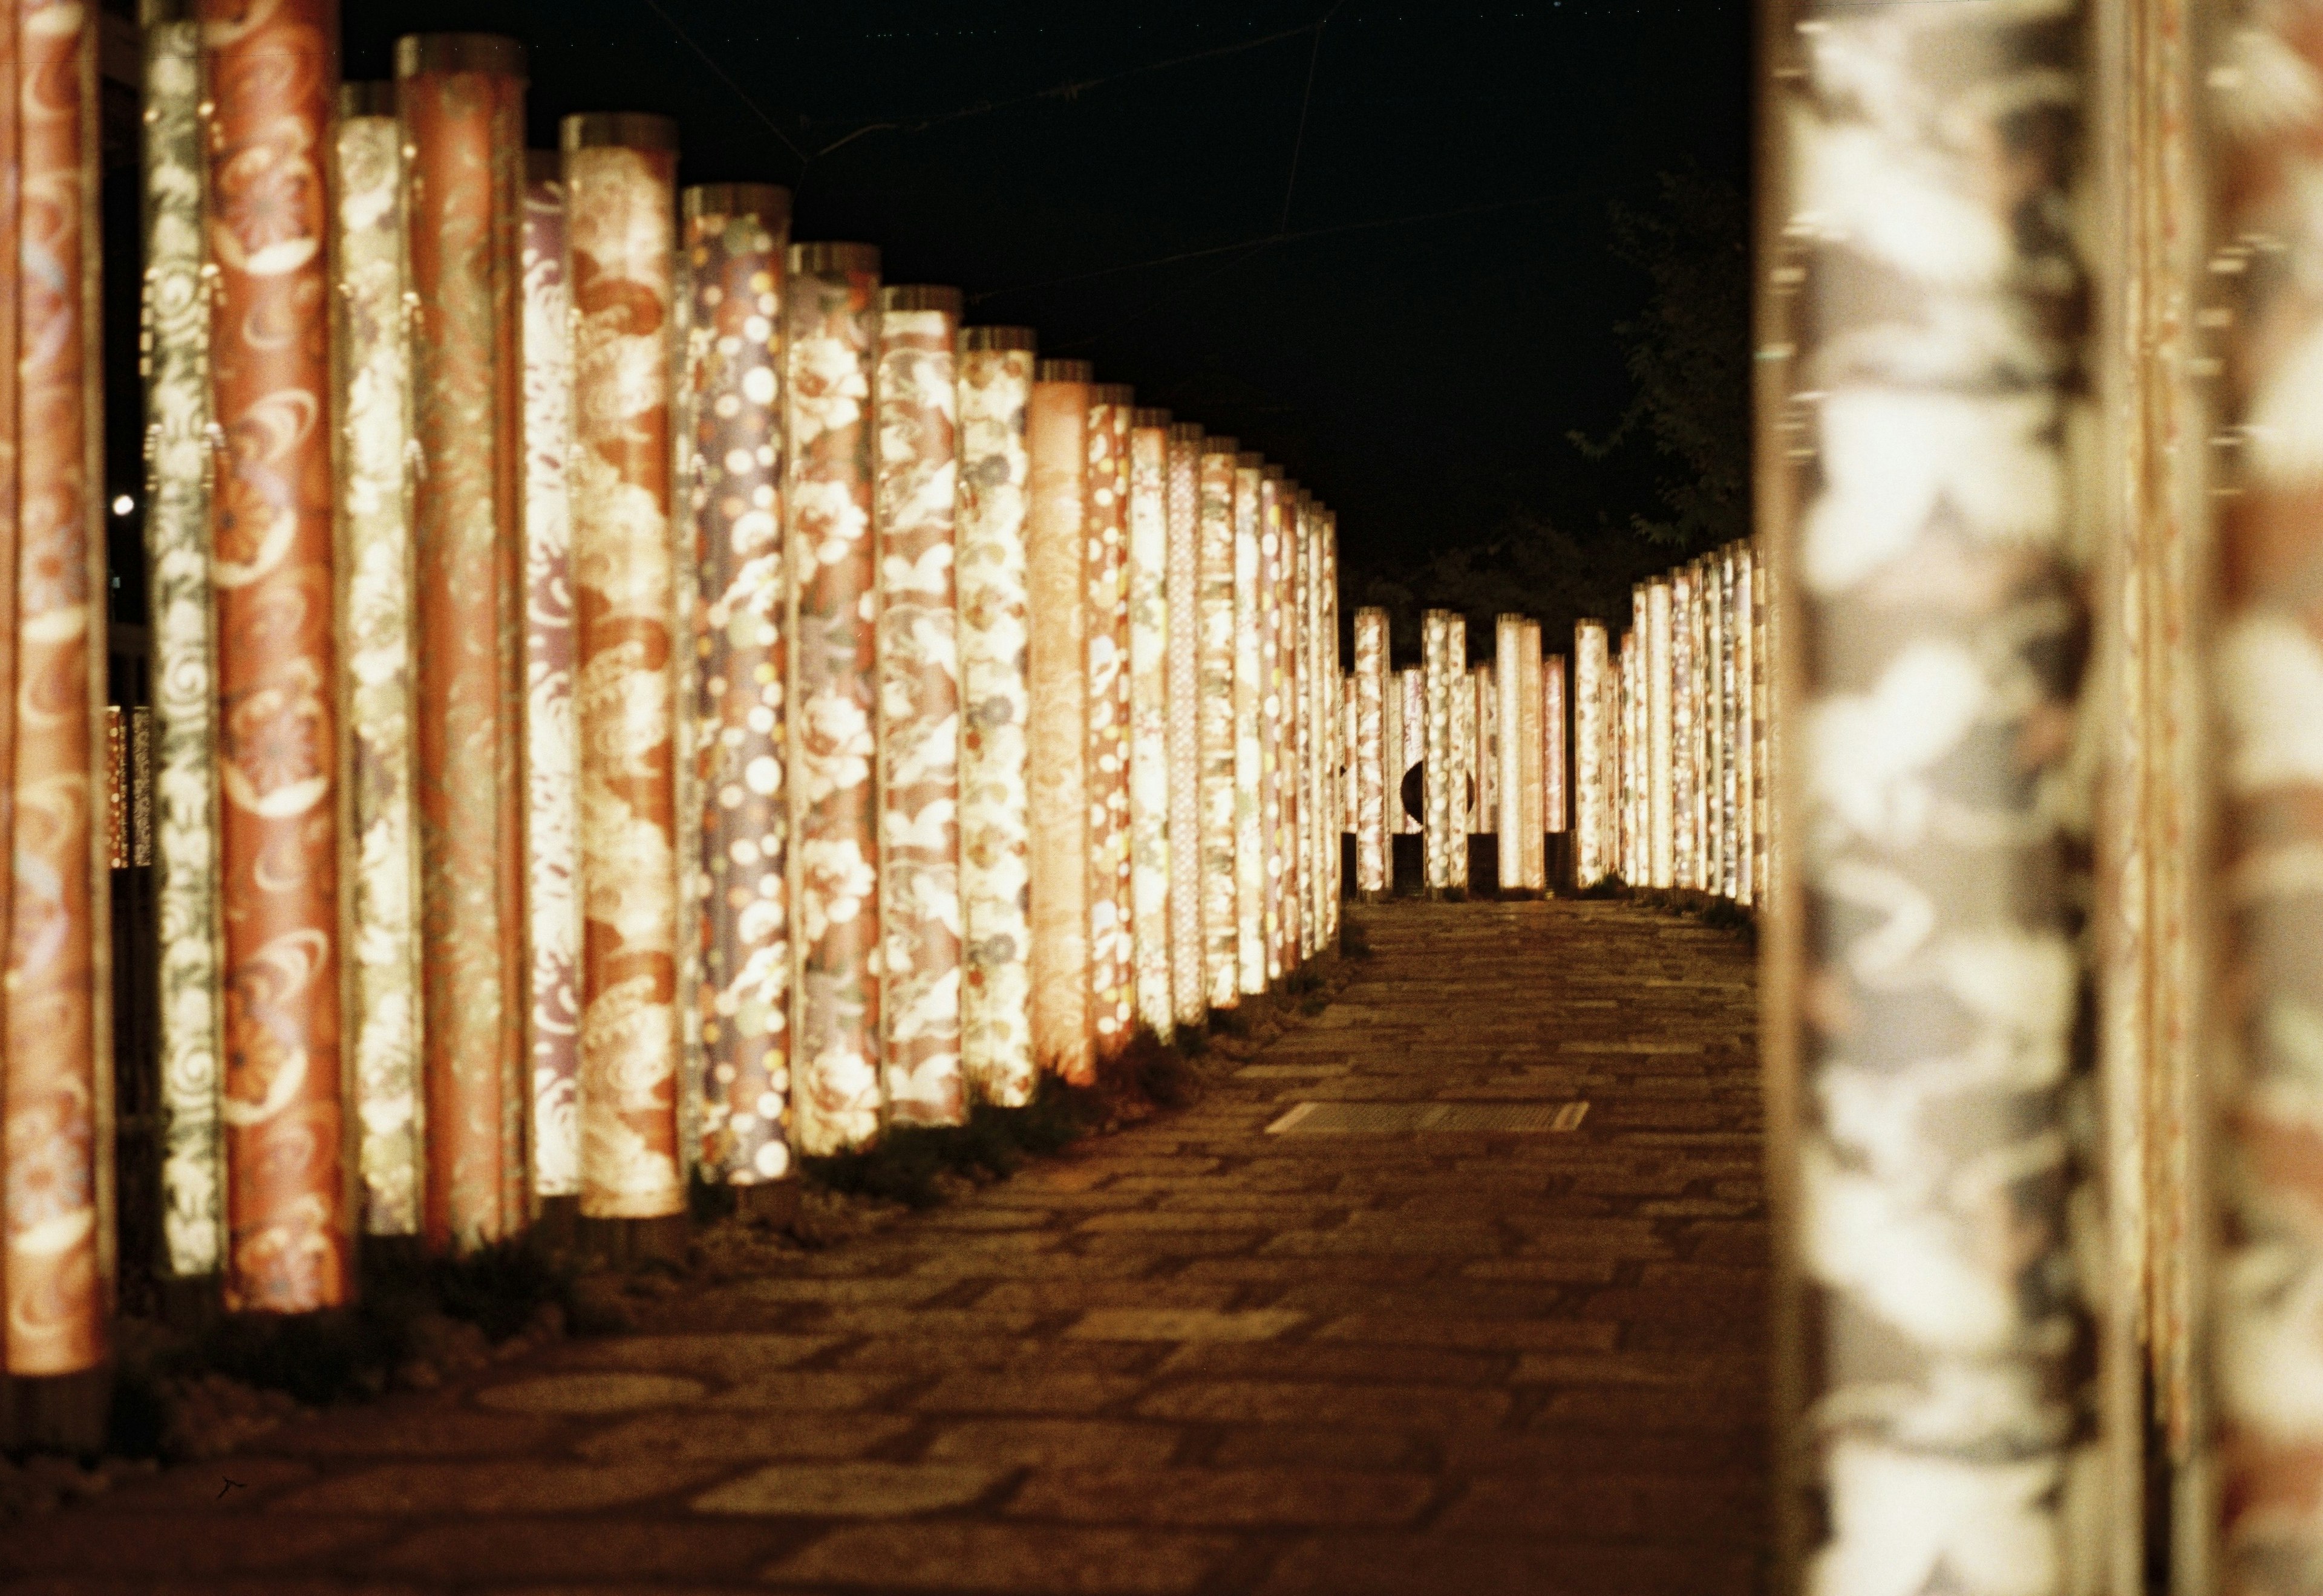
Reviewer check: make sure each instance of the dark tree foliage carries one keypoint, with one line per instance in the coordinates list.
(1683, 442)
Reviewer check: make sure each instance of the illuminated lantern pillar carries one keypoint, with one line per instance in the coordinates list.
(995, 388)
(1556, 811)
(916, 386)
(1249, 720)
(1149, 716)
(1729, 740)
(1105, 588)
(1685, 708)
(551, 751)
(1446, 681)
(271, 571)
(1464, 765)
(1415, 742)
(1627, 723)
(1297, 745)
(384, 911)
(56, 1071)
(461, 99)
(1371, 708)
(1311, 729)
(1707, 864)
(1221, 919)
(2265, 663)
(1056, 743)
(1391, 764)
(184, 674)
(621, 241)
(1335, 711)
(1189, 991)
(1659, 750)
(735, 238)
(1273, 704)
(1596, 789)
(1517, 817)
(1923, 975)
(832, 324)
(1483, 710)
(1745, 731)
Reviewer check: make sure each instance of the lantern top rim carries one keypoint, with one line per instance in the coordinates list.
(420, 55)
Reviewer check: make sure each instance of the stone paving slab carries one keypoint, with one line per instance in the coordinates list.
(1189, 1360)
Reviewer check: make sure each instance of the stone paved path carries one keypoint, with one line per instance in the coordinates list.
(1192, 1358)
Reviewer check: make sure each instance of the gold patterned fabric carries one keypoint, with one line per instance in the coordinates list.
(384, 988)
(1056, 743)
(184, 654)
(1149, 717)
(1219, 746)
(1595, 784)
(995, 386)
(1249, 730)
(835, 1024)
(917, 387)
(1105, 588)
(272, 547)
(1371, 760)
(735, 237)
(621, 242)
(463, 121)
(1188, 983)
(552, 822)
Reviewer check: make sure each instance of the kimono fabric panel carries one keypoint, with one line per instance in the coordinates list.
(1553, 745)
(1149, 716)
(1729, 852)
(1439, 819)
(995, 387)
(833, 320)
(461, 97)
(620, 243)
(375, 562)
(1516, 787)
(1299, 730)
(184, 668)
(552, 820)
(1215, 616)
(1925, 1059)
(1249, 728)
(2265, 678)
(269, 86)
(1391, 765)
(54, 1097)
(1181, 606)
(1105, 584)
(1657, 754)
(1526, 726)
(1745, 728)
(1483, 749)
(735, 236)
(1056, 743)
(1273, 719)
(1371, 766)
(1411, 792)
(1593, 791)
(1683, 728)
(917, 386)
(1461, 770)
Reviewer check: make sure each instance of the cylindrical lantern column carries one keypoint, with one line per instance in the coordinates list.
(1371, 752)
(461, 99)
(1105, 588)
(1593, 784)
(184, 666)
(1658, 754)
(271, 546)
(621, 204)
(1437, 818)
(1683, 708)
(1523, 837)
(1189, 991)
(2267, 686)
(916, 387)
(1149, 715)
(1057, 735)
(1273, 706)
(1923, 979)
(995, 387)
(384, 986)
(552, 822)
(832, 320)
(1483, 749)
(1745, 729)
(1414, 803)
(736, 238)
(1249, 724)
(1555, 806)
(1221, 920)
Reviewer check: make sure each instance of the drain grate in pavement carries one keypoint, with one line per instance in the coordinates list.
(1395, 1119)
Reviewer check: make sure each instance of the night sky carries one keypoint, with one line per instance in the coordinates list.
(1418, 369)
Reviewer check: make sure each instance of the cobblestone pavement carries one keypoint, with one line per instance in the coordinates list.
(1193, 1357)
